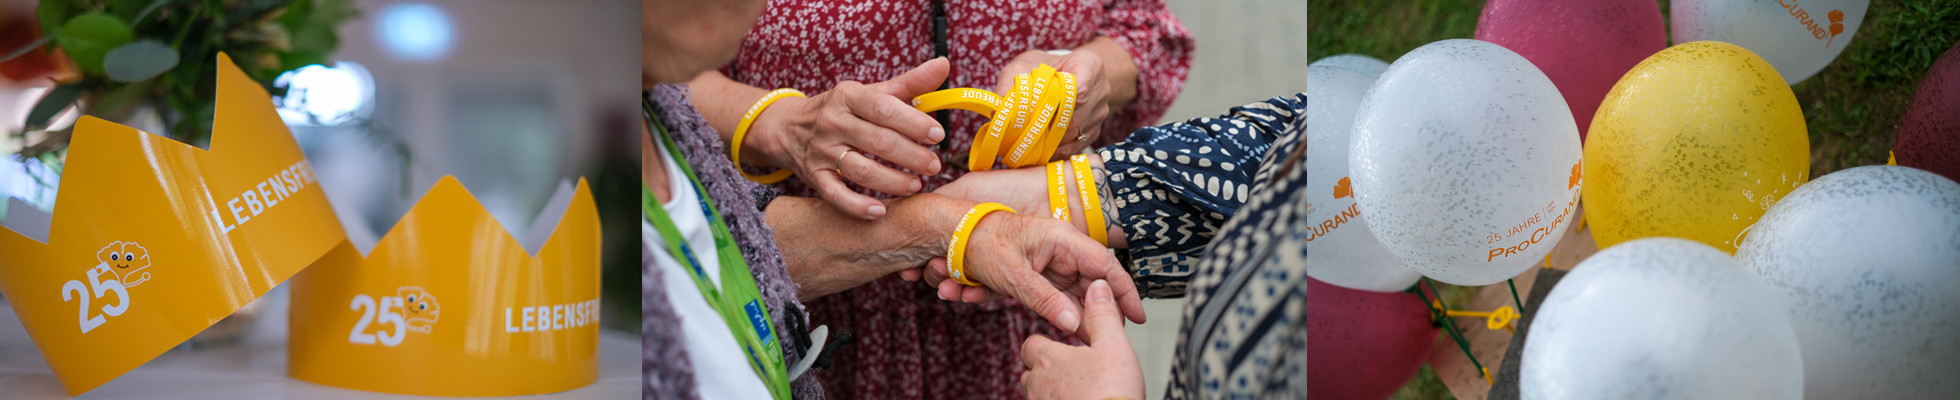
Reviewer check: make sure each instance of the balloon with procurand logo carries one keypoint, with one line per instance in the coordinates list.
(1464, 161)
(1341, 251)
(1798, 37)
(1365, 64)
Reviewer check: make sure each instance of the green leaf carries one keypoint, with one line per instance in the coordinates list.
(139, 61)
(89, 37)
(52, 13)
(52, 104)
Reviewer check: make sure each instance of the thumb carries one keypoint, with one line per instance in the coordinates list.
(918, 81)
(1103, 323)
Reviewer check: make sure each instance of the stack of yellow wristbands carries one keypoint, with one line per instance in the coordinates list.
(1026, 126)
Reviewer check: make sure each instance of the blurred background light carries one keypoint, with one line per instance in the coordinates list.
(415, 31)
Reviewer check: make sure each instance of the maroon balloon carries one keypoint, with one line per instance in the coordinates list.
(1363, 344)
(1585, 46)
(1929, 134)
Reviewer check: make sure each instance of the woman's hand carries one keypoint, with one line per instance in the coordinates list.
(1092, 92)
(1105, 369)
(1037, 260)
(828, 139)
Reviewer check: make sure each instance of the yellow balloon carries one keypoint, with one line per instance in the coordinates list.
(1696, 142)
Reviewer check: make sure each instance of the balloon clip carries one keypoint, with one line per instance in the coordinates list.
(1500, 318)
(1487, 378)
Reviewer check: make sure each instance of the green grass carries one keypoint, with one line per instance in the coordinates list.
(1852, 107)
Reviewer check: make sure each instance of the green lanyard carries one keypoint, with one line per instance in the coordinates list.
(740, 305)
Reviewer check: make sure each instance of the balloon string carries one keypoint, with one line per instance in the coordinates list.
(1514, 292)
(1438, 314)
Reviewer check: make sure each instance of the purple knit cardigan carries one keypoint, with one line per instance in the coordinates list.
(669, 375)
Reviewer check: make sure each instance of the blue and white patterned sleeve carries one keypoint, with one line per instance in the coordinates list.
(1175, 184)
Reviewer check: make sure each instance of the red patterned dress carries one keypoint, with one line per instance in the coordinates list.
(910, 344)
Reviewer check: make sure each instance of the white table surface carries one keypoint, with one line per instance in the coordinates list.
(256, 368)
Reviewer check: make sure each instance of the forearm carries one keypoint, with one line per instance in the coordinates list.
(723, 102)
(828, 252)
(1118, 69)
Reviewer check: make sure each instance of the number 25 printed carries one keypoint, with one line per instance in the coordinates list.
(389, 315)
(95, 289)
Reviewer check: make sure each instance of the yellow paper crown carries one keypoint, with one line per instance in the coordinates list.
(449, 303)
(153, 240)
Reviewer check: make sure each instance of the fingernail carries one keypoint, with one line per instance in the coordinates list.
(1099, 292)
(915, 186)
(1070, 321)
(936, 134)
(877, 211)
(935, 166)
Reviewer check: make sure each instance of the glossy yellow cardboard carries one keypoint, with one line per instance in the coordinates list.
(449, 304)
(153, 240)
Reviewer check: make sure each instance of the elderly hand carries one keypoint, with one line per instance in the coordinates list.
(1092, 93)
(1105, 369)
(829, 138)
(1037, 260)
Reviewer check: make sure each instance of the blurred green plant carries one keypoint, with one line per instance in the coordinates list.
(128, 55)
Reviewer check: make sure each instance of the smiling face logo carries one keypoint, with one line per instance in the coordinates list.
(419, 307)
(1574, 180)
(127, 260)
(1343, 189)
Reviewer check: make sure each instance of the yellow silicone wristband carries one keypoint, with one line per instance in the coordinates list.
(1024, 98)
(969, 99)
(742, 131)
(986, 143)
(1051, 95)
(1092, 216)
(956, 248)
(1063, 113)
(1057, 191)
(1025, 128)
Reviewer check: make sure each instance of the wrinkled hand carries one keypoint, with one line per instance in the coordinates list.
(828, 139)
(1044, 263)
(1092, 92)
(1106, 368)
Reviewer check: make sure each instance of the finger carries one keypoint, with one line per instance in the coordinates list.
(875, 176)
(1128, 297)
(910, 275)
(1039, 347)
(887, 144)
(921, 80)
(832, 189)
(899, 115)
(949, 290)
(894, 109)
(1022, 283)
(1102, 323)
(936, 271)
(976, 294)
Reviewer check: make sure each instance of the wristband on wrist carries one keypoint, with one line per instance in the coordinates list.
(956, 248)
(1058, 190)
(742, 131)
(1092, 216)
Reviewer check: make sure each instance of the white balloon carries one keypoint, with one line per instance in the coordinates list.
(1794, 36)
(1343, 252)
(1661, 318)
(1465, 162)
(1867, 261)
(1370, 66)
